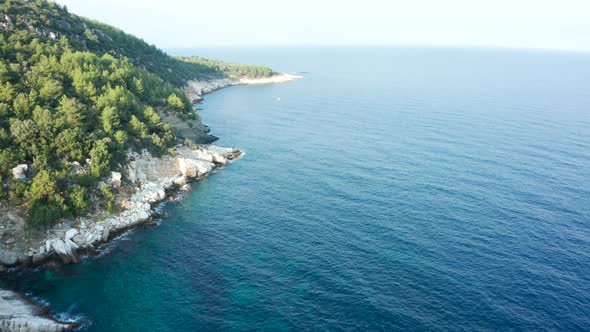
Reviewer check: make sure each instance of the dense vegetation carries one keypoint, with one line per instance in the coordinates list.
(52, 21)
(75, 97)
(230, 69)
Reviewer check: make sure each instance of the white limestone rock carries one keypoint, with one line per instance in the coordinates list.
(202, 154)
(20, 172)
(116, 179)
(188, 167)
(64, 250)
(71, 247)
(180, 181)
(105, 234)
(157, 196)
(70, 233)
(80, 239)
(219, 159)
(18, 313)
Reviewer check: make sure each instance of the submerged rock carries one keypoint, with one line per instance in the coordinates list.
(39, 258)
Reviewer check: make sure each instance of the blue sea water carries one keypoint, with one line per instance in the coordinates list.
(391, 189)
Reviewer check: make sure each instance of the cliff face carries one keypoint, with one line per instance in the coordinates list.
(195, 89)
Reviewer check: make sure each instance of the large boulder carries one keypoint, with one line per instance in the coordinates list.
(71, 247)
(192, 168)
(180, 181)
(203, 154)
(80, 239)
(116, 179)
(211, 155)
(20, 172)
(70, 233)
(188, 167)
(219, 159)
(65, 250)
(105, 234)
(157, 196)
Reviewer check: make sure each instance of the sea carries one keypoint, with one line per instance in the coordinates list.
(392, 189)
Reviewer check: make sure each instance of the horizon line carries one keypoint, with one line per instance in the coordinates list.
(409, 45)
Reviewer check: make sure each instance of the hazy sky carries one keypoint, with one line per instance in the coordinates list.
(556, 24)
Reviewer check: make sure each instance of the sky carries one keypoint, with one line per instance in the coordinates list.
(545, 24)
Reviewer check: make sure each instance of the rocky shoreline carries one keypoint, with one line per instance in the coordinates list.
(18, 313)
(196, 89)
(144, 182)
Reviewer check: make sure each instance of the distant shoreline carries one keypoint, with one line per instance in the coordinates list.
(280, 78)
(196, 89)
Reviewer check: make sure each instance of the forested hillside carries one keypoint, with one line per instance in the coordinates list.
(231, 69)
(75, 97)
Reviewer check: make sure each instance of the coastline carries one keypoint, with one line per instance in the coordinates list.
(142, 184)
(196, 89)
(147, 180)
(281, 78)
(150, 179)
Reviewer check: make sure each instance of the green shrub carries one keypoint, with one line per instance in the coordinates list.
(46, 212)
(109, 197)
(78, 200)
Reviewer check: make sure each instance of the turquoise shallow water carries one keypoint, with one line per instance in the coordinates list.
(392, 189)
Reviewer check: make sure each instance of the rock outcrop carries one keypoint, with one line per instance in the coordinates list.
(20, 172)
(18, 313)
(193, 130)
(196, 89)
(150, 180)
(116, 179)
